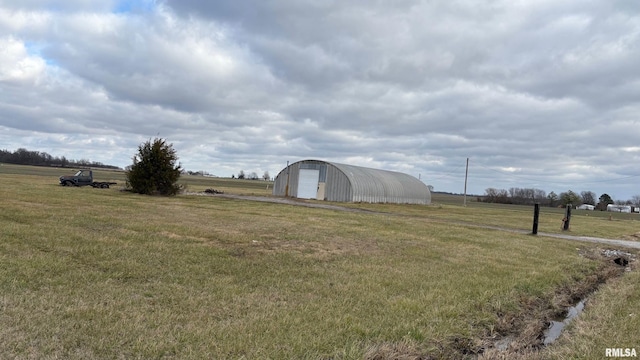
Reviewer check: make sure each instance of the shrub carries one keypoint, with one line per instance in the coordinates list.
(154, 170)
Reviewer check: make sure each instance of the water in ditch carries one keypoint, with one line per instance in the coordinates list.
(556, 327)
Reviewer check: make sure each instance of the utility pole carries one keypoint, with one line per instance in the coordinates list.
(466, 174)
(286, 188)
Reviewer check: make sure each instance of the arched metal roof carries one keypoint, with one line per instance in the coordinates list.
(375, 185)
(356, 183)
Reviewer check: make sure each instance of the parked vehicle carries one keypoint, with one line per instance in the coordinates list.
(84, 178)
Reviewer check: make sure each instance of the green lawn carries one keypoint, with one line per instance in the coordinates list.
(102, 273)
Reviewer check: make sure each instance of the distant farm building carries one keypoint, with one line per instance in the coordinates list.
(586, 207)
(322, 180)
(619, 208)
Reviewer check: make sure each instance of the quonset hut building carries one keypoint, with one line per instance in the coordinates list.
(323, 180)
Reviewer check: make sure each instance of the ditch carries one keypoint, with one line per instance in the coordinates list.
(542, 324)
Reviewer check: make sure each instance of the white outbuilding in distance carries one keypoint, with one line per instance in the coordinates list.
(323, 180)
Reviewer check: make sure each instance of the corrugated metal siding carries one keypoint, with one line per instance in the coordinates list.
(358, 184)
(374, 185)
(338, 187)
(280, 183)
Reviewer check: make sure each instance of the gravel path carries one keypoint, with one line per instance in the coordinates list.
(296, 202)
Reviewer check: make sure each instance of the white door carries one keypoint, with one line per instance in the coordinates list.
(308, 183)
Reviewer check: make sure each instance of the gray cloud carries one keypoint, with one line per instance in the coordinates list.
(538, 94)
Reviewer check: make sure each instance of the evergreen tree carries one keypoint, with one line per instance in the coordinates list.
(570, 197)
(603, 201)
(154, 170)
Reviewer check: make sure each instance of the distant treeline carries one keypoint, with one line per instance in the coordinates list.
(37, 158)
(516, 196)
(524, 196)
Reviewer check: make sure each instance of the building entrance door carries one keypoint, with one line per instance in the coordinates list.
(308, 183)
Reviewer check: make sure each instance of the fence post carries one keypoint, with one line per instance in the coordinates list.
(567, 218)
(536, 216)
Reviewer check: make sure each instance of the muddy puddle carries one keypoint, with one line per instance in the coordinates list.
(539, 323)
(557, 325)
(541, 328)
(551, 334)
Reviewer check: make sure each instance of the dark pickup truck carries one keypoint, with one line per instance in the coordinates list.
(84, 178)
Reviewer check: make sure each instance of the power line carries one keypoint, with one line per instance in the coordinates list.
(449, 173)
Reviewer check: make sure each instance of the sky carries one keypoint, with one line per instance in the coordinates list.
(536, 94)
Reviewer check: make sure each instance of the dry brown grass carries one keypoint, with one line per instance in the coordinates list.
(94, 273)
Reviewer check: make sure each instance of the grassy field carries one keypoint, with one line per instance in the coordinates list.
(583, 222)
(102, 273)
(190, 182)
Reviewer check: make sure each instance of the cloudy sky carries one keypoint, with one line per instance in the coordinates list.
(542, 94)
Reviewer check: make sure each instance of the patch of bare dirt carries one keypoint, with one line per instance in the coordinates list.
(171, 235)
(632, 237)
(396, 351)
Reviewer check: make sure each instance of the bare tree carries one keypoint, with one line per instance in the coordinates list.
(588, 197)
(491, 195)
(526, 196)
(266, 176)
(539, 195)
(500, 196)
